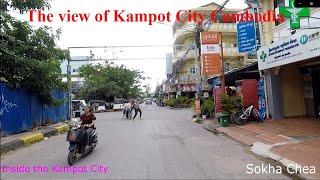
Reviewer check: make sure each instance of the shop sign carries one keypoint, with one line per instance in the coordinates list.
(294, 14)
(246, 36)
(298, 47)
(197, 107)
(210, 53)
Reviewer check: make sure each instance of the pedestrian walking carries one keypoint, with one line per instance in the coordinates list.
(137, 109)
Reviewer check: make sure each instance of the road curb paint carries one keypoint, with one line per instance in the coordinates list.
(11, 145)
(62, 128)
(32, 138)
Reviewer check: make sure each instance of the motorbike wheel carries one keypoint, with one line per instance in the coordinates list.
(235, 118)
(72, 157)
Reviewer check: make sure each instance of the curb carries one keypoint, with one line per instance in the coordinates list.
(33, 138)
(263, 150)
(62, 128)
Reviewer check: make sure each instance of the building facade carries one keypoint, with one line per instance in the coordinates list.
(290, 62)
(185, 66)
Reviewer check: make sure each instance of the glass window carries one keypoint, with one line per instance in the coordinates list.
(193, 70)
(278, 3)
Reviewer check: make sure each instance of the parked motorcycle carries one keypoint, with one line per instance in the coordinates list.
(243, 117)
(76, 137)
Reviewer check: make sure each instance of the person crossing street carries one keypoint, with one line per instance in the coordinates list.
(137, 109)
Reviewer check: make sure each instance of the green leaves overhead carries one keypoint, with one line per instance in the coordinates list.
(105, 82)
(29, 57)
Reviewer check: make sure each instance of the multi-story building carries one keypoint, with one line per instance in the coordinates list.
(290, 62)
(183, 81)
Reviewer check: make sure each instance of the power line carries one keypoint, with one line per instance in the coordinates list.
(119, 59)
(124, 46)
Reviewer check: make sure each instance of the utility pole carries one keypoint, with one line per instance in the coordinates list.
(198, 30)
(69, 82)
(222, 77)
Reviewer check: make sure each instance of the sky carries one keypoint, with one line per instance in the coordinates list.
(110, 33)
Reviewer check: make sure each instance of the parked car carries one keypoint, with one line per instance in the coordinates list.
(109, 105)
(148, 101)
(98, 105)
(77, 107)
(118, 104)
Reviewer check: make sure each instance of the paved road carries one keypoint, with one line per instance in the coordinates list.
(164, 144)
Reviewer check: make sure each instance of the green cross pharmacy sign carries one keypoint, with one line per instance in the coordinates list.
(294, 14)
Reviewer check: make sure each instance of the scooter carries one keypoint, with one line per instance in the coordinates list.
(75, 137)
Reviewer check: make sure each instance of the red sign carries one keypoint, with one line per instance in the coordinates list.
(211, 64)
(207, 37)
(210, 53)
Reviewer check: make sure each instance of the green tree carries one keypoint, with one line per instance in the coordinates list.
(29, 58)
(147, 92)
(108, 81)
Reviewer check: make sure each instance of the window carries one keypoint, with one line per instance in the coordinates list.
(193, 70)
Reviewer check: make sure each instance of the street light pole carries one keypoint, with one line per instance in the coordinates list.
(69, 82)
(222, 77)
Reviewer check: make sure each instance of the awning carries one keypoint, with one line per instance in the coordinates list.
(245, 72)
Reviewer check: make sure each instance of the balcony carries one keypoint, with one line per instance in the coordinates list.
(183, 32)
(223, 27)
(231, 52)
(182, 54)
(189, 79)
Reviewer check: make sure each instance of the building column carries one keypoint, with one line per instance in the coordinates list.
(274, 96)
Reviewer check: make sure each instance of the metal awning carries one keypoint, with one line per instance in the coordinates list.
(245, 72)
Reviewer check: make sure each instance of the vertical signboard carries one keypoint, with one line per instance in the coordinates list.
(197, 107)
(210, 53)
(246, 36)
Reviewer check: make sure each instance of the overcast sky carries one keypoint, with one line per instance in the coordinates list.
(121, 34)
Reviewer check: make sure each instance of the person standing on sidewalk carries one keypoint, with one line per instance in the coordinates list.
(137, 109)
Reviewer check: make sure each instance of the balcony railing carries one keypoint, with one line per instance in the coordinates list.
(231, 51)
(187, 79)
(185, 54)
(188, 28)
(223, 27)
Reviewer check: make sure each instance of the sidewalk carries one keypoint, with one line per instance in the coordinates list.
(16, 141)
(288, 141)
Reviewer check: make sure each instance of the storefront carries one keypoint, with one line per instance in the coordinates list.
(291, 70)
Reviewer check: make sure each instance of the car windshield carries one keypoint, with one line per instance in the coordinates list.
(100, 103)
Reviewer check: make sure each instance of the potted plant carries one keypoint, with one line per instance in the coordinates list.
(207, 108)
(229, 105)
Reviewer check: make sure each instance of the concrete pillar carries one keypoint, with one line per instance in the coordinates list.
(275, 103)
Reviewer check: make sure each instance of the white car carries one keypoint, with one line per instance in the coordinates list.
(98, 105)
(77, 107)
(118, 104)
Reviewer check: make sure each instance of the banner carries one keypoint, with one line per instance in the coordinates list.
(298, 47)
(210, 53)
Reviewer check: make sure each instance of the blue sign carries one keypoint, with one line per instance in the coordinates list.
(246, 36)
(262, 99)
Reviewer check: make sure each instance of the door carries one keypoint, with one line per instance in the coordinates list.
(316, 90)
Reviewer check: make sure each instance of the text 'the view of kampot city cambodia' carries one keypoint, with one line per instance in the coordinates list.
(151, 89)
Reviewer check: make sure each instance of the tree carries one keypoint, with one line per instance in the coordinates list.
(108, 81)
(29, 58)
(147, 93)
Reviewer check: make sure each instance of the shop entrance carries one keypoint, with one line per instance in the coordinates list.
(311, 79)
(316, 89)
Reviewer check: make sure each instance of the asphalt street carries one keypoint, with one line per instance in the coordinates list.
(165, 144)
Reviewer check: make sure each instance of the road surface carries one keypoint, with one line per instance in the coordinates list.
(165, 144)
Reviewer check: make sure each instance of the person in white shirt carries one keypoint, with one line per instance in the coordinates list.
(126, 110)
